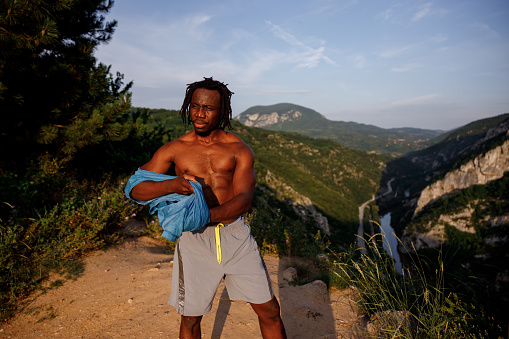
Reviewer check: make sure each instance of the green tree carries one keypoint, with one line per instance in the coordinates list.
(54, 96)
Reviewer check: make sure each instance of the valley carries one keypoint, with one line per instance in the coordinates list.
(449, 196)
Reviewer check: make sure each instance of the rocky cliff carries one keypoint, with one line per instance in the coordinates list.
(432, 234)
(479, 171)
(262, 120)
(483, 160)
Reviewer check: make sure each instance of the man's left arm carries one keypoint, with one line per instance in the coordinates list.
(243, 189)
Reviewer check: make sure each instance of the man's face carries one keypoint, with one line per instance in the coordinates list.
(204, 109)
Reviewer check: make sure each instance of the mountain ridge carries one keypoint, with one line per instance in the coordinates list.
(295, 118)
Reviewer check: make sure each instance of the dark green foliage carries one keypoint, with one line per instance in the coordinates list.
(53, 95)
(278, 234)
(336, 179)
(123, 156)
(169, 119)
(477, 127)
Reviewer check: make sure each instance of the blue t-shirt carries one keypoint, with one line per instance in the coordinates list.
(176, 213)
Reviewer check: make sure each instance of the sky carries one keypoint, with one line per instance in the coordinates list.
(430, 65)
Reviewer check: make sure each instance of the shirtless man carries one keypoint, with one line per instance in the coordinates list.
(223, 164)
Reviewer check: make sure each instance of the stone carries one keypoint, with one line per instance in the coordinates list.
(290, 274)
(322, 258)
(318, 289)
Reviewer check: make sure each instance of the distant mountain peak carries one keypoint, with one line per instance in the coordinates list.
(265, 116)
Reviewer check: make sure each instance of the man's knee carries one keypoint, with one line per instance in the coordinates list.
(269, 310)
(190, 322)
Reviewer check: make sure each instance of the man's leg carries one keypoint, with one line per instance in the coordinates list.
(269, 316)
(190, 327)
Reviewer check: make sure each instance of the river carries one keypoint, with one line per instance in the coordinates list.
(390, 241)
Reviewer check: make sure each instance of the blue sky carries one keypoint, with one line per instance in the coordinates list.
(431, 65)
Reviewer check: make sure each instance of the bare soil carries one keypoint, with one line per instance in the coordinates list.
(124, 290)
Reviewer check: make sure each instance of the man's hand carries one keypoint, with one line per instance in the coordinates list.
(181, 185)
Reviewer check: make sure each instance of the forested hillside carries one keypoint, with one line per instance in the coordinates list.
(294, 118)
(291, 167)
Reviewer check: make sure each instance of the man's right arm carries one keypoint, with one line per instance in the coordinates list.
(160, 163)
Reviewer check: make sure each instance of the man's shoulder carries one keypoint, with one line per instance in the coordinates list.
(230, 137)
(189, 136)
(173, 146)
(238, 146)
(181, 141)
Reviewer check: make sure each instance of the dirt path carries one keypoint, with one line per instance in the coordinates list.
(123, 293)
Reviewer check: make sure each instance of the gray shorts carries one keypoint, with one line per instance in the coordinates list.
(197, 272)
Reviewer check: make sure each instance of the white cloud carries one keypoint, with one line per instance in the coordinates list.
(438, 38)
(386, 15)
(308, 57)
(330, 8)
(415, 101)
(359, 60)
(491, 33)
(422, 12)
(401, 51)
(164, 45)
(260, 63)
(428, 10)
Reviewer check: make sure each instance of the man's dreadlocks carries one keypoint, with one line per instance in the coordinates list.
(225, 111)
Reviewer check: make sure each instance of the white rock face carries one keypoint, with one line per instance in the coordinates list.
(479, 171)
(262, 120)
(434, 236)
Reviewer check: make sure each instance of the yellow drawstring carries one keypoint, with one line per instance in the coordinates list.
(218, 242)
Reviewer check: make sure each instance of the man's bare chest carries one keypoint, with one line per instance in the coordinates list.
(205, 161)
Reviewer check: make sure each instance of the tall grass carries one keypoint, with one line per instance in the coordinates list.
(407, 305)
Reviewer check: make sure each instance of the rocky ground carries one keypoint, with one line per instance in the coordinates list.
(124, 290)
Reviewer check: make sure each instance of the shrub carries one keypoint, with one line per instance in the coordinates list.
(31, 247)
(279, 235)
